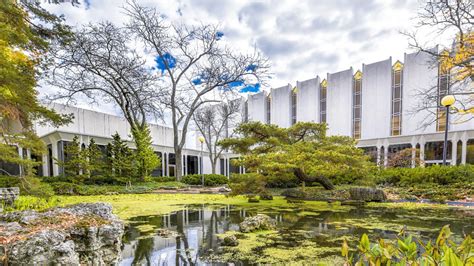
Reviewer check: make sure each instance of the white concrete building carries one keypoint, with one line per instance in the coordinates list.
(374, 105)
(89, 124)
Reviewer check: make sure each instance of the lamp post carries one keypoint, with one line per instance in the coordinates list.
(447, 101)
(201, 139)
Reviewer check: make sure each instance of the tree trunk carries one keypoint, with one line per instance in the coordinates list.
(179, 165)
(325, 182)
(213, 166)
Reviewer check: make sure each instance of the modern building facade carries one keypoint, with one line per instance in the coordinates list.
(377, 106)
(88, 125)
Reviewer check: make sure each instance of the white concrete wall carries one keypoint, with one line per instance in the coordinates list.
(256, 107)
(339, 103)
(307, 108)
(376, 99)
(418, 75)
(280, 108)
(96, 124)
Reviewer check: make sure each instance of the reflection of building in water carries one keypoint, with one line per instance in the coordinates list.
(197, 229)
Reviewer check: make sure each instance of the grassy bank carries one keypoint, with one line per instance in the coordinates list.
(130, 205)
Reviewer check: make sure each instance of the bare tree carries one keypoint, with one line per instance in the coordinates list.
(454, 19)
(99, 63)
(194, 63)
(215, 123)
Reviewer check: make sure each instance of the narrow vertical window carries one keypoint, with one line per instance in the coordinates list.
(397, 92)
(268, 105)
(322, 101)
(246, 111)
(443, 90)
(293, 106)
(356, 104)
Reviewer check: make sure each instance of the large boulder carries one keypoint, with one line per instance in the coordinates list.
(367, 194)
(86, 234)
(257, 222)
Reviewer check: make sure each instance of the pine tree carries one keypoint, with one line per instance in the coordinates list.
(74, 161)
(120, 158)
(95, 160)
(145, 158)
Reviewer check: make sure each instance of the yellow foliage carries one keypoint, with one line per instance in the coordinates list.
(461, 60)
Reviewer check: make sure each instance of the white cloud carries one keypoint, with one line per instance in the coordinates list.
(302, 38)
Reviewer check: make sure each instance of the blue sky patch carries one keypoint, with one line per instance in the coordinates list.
(166, 59)
(251, 88)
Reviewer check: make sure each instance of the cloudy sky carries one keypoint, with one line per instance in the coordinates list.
(302, 38)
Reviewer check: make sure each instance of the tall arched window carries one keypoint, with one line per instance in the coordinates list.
(322, 101)
(397, 92)
(268, 105)
(356, 105)
(293, 105)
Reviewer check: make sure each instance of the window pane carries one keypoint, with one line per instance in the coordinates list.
(357, 112)
(397, 77)
(323, 118)
(397, 92)
(397, 107)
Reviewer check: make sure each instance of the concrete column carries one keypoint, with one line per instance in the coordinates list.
(54, 148)
(20, 154)
(385, 156)
(454, 149)
(199, 164)
(163, 155)
(413, 155)
(422, 153)
(45, 165)
(464, 151)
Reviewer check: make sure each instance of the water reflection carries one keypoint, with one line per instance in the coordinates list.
(191, 233)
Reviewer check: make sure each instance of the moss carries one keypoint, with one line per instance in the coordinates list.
(131, 205)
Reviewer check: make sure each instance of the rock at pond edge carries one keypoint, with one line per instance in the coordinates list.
(257, 222)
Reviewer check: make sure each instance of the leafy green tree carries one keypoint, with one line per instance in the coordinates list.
(145, 158)
(303, 150)
(25, 36)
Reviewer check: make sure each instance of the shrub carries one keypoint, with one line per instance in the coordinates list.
(65, 188)
(294, 193)
(164, 179)
(9, 181)
(247, 184)
(441, 175)
(408, 251)
(27, 185)
(209, 180)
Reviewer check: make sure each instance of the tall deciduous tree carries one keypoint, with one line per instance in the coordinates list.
(194, 63)
(27, 31)
(450, 21)
(302, 149)
(216, 122)
(100, 64)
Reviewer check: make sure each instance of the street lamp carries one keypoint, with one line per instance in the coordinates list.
(447, 101)
(202, 139)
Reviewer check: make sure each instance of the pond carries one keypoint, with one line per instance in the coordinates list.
(303, 234)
